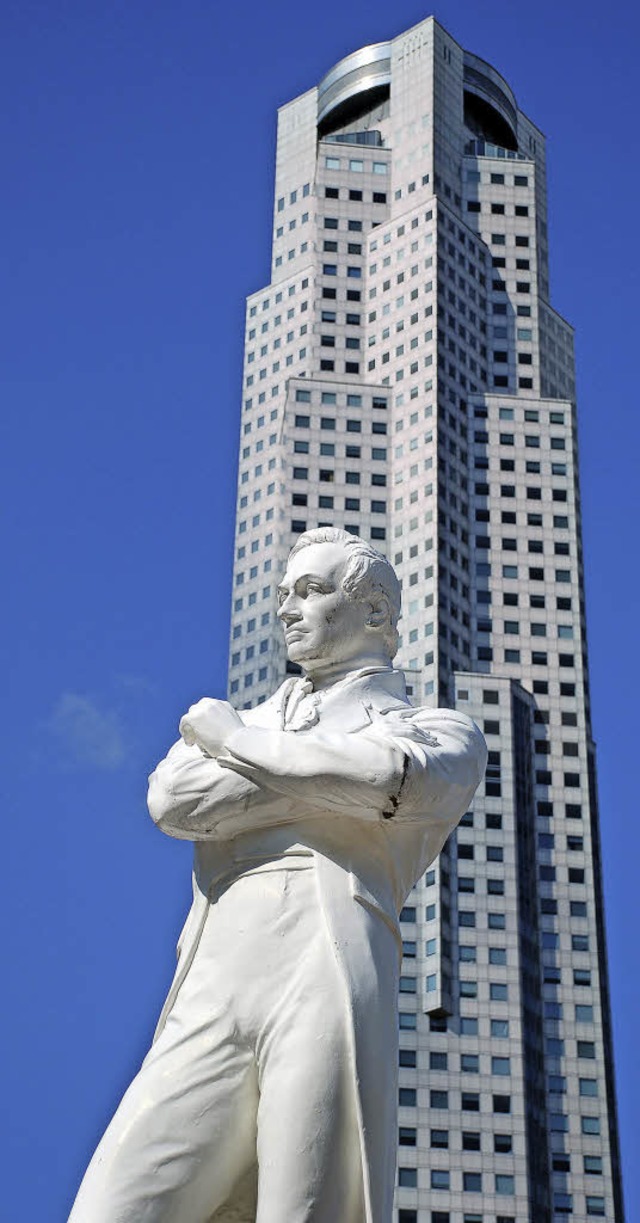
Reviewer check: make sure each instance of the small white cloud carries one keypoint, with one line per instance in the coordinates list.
(136, 683)
(85, 734)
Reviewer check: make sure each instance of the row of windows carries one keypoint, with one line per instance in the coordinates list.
(356, 165)
(330, 294)
(353, 271)
(470, 1101)
(495, 921)
(511, 572)
(475, 176)
(330, 316)
(521, 286)
(534, 518)
(378, 478)
(533, 441)
(539, 658)
(330, 397)
(333, 248)
(467, 1026)
(536, 628)
(585, 1050)
(520, 240)
(532, 467)
(500, 308)
(354, 195)
(519, 210)
(352, 225)
(563, 1203)
(279, 297)
(299, 525)
(492, 697)
(471, 1140)
(378, 454)
(350, 503)
(328, 423)
(471, 1181)
(509, 543)
(467, 952)
(350, 367)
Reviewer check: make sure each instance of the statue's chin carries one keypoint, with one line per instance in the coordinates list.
(297, 653)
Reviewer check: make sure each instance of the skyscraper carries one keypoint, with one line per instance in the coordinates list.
(407, 378)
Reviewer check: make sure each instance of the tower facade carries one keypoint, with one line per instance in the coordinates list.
(406, 378)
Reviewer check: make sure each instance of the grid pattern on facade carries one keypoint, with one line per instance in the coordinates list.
(406, 378)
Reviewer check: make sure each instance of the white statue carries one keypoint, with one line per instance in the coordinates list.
(269, 1094)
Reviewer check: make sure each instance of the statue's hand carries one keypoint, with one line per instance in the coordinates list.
(208, 724)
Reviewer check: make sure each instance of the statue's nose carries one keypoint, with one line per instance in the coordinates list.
(288, 615)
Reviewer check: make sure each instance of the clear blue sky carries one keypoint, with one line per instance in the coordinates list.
(137, 157)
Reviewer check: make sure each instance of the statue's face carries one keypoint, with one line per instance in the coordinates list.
(321, 624)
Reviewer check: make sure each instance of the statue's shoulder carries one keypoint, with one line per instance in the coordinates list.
(449, 728)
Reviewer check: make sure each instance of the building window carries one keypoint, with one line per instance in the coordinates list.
(595, 1206)
(472, 1182)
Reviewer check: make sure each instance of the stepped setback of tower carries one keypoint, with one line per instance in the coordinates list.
(406, 378)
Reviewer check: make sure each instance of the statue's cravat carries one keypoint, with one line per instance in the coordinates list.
(301, 705)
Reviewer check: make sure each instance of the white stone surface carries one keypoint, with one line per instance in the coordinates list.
(270, 1091)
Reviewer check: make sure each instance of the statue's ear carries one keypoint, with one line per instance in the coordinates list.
(379, 613)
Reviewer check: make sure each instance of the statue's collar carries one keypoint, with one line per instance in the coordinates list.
(358, 690)
(389, 677)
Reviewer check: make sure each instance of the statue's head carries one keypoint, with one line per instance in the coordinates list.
(339, 601)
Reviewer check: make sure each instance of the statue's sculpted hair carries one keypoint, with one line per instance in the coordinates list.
(368, 575)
